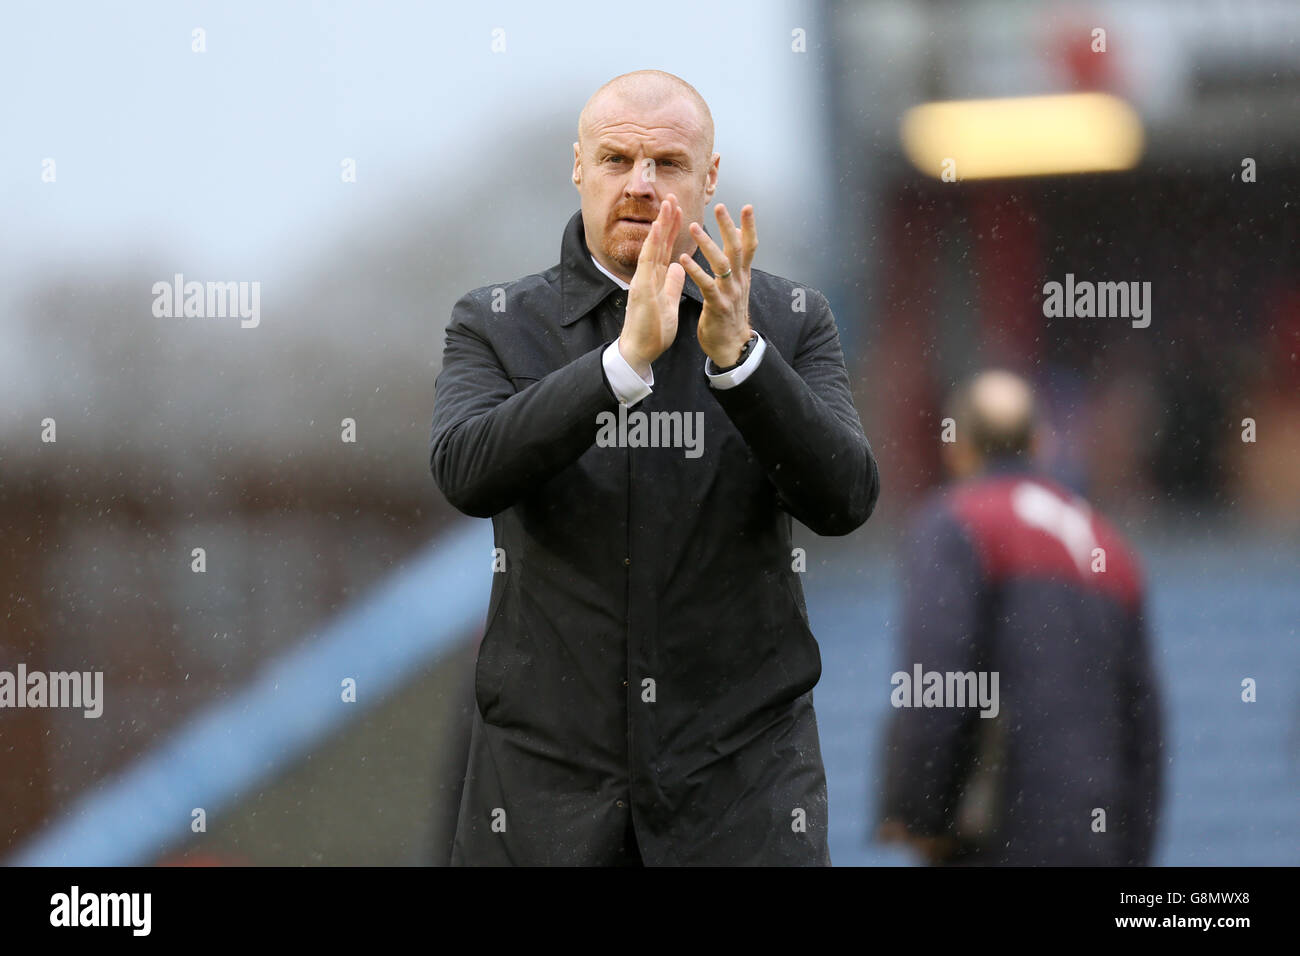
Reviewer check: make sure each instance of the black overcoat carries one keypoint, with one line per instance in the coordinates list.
(646, 659)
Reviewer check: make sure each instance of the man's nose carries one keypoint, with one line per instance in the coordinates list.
(641, 181)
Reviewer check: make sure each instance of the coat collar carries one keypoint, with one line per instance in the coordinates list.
(583, 286)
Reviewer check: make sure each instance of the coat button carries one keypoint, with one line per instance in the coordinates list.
(624, 683)
(621, 804)
(627, 561)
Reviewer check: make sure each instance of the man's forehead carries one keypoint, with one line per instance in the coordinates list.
(631, 135)
(675, 122)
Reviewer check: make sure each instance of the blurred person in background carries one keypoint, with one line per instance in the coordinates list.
(1008, 573)
(644, 683)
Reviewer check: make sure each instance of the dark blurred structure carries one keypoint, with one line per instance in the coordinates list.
(949, 276)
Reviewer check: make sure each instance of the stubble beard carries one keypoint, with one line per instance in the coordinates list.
(625, 252)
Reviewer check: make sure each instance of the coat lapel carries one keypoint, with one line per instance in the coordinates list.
(583, 286)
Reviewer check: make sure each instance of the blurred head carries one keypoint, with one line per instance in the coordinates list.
(996, 421)
(642, 136)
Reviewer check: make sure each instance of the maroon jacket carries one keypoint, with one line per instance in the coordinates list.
(1004, 574)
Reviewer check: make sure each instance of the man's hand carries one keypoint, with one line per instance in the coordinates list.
(655, 292)
(934, 850)
(724, 323)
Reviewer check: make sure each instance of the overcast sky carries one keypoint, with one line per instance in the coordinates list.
(230, 159)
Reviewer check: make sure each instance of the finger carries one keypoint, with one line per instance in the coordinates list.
(663, 223)
(654, 253)
(708, 285)
(671, 228)
(674, 229)
(645, 260)
(717, 258)
(730, 234)
(748, 236)
(674, 282)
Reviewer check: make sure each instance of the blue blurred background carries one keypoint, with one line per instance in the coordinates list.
(135, 148)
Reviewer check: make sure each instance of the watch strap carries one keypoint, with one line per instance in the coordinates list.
(744, 354)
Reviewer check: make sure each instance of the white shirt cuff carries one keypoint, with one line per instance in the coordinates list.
(739, 374)
(628, 387)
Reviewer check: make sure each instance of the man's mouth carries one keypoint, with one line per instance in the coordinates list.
(639, 219)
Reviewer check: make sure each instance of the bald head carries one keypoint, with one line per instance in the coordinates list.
(996, 415)
(648, 92)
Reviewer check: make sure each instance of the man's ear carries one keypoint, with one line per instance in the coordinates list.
(577, 165)
(711, 177)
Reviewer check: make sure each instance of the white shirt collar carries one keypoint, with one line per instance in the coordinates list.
(621, 283)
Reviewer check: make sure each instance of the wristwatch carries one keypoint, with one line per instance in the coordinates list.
(744, 354)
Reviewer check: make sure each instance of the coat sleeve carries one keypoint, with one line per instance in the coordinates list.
(1144, 760)
(490, 444)
(929, 750)
(798, 418)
